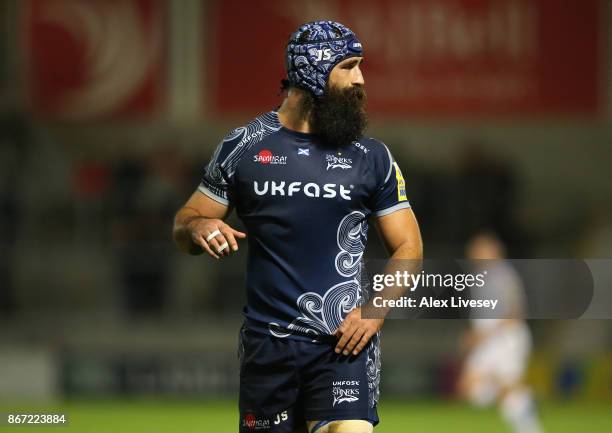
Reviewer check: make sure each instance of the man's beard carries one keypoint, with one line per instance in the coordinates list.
(339, 118)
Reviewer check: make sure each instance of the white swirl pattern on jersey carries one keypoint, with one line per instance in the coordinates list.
(352, 237)
(323, 314)
(249, 135)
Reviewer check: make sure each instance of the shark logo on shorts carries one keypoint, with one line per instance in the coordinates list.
(343, 391)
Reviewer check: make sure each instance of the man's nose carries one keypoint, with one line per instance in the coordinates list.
(357, 77)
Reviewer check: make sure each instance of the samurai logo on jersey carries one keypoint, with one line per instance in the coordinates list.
(266, 157)
(345, 391)
(252, 422)
(334, 161)
(311, 189)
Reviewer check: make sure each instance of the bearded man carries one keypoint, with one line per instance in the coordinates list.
(305, 181)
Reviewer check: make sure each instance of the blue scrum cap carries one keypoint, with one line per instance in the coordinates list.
(313, 51)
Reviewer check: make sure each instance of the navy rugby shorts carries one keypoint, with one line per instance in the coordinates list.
(284, 382)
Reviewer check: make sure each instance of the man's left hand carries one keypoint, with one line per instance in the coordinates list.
(355, 332)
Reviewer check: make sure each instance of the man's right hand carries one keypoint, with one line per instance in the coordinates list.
(198, 227)
(214, 236)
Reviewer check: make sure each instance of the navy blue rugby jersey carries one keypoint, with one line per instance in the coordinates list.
(305, 208)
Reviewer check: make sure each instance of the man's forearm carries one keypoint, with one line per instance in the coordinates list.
(408, 251)
(406, 258)
(182, 233)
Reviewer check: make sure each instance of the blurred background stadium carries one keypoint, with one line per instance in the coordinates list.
(498, 111)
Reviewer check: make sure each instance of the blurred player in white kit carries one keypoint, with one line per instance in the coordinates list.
(497, 349)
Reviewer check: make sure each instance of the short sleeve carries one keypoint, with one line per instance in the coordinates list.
(218, 176)
(218, 180)
(390, 194)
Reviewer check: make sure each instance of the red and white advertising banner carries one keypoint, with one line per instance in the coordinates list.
(92, 59)
(423, 58)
